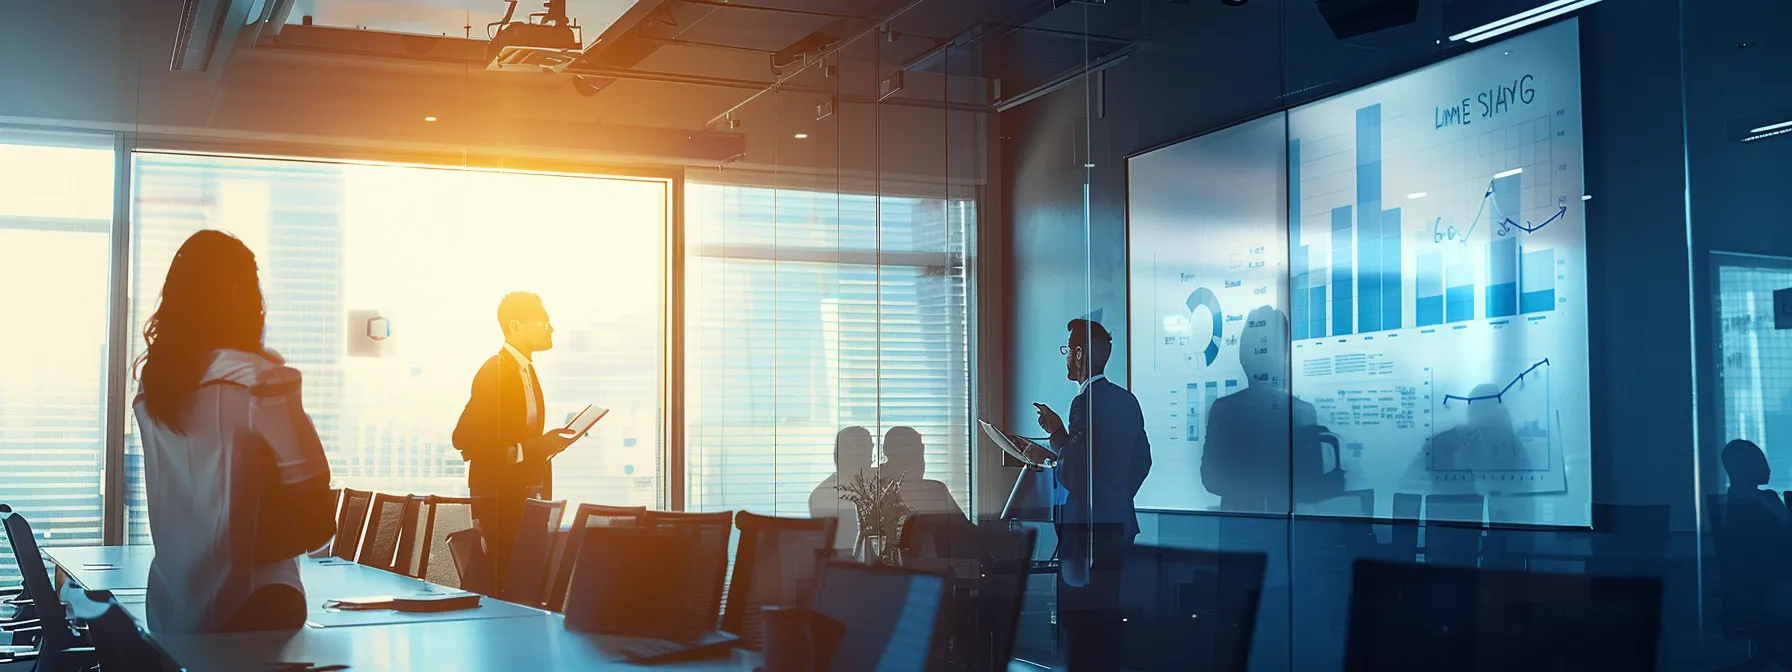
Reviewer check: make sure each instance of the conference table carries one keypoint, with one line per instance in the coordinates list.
(497, 635)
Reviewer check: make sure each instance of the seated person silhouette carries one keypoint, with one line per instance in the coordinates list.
(1245, 458)
(905, 458)
(1755, 549)
(852, 455)
(1485, 442)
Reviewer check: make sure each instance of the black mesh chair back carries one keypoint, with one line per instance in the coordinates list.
(55, 633)
(385, 525)
(444, 516)
(349, 523)
(466, 549)
(117, 643)
(526, 580)
(409, 560)
(709, 566)
(1453, 528)
(774, 566)
(586, 516)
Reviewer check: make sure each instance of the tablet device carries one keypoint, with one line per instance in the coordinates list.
(583, 422)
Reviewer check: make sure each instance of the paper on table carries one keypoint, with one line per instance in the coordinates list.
(1007, 445)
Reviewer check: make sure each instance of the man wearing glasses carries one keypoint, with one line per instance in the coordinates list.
(1103, 459)
(500, 431)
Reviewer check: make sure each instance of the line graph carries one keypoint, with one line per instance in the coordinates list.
(1490, 205)
(1499, 396)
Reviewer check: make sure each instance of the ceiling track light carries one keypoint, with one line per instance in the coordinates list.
(1520, 20)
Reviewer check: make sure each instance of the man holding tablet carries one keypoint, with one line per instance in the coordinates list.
(500, 433)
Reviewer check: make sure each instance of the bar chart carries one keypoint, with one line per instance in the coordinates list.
(1363, 290)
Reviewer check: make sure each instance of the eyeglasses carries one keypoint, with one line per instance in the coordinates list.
(548, 324)
(1063, 349)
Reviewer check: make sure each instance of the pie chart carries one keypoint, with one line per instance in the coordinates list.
(1202, 352)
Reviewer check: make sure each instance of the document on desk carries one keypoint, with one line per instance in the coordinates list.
(1002, 440)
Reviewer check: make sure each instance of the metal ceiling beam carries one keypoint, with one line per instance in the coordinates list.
(781, 10)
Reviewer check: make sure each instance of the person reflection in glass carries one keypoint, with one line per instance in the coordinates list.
(905, 458)
(852, 456)
(1245, 459)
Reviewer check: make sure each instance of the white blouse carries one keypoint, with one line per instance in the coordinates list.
(206, 488)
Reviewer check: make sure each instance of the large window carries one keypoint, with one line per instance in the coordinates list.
(55, 251)
(1754, 358)
(811, 312)
(432, 251)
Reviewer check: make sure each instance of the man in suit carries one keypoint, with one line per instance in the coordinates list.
(1103, 459)
(500, 431)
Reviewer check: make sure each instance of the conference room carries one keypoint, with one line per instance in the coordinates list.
(905, 335)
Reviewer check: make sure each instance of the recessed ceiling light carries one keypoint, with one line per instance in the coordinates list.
(429, 118)
(802, 136)
(1416, 195)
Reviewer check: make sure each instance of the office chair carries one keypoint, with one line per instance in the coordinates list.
(888, 615)
(1405, 527)
(1629, 539)
(471, 571)
(117, 643)
(329, 549)
(703, 594)
(526, 579)
(1453, 528)
(60, 647)
(1189, 609)
(385, 525)
(1423, 617)
(774, 565)
(443, 517)
(586, 516)
(986, 569)
(415, 528)
(349, 523)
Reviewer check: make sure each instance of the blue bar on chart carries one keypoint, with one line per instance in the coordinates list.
(1369, 220)
(1231, 386)
(1297, 251)
(1459, 291)
(1430, 290)
(1502, 278)
(1506, 190)
(1538, 275)
(1342, 271)
(1193, 416)
(1392, 279)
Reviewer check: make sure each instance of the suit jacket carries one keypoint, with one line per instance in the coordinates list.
(493, 421)
(1245, 459)
(1104, 456)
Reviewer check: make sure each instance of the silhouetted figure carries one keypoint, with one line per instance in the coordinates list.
(1246, 458)
(1104, 458)
(1756, 551)
(905, 457)
(852, 456)
(237, 481)
(1487, 442)
(500, 430)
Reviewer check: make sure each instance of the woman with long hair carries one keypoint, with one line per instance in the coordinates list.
(236, 476)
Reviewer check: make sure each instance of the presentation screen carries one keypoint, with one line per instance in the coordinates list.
(1427, 286)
